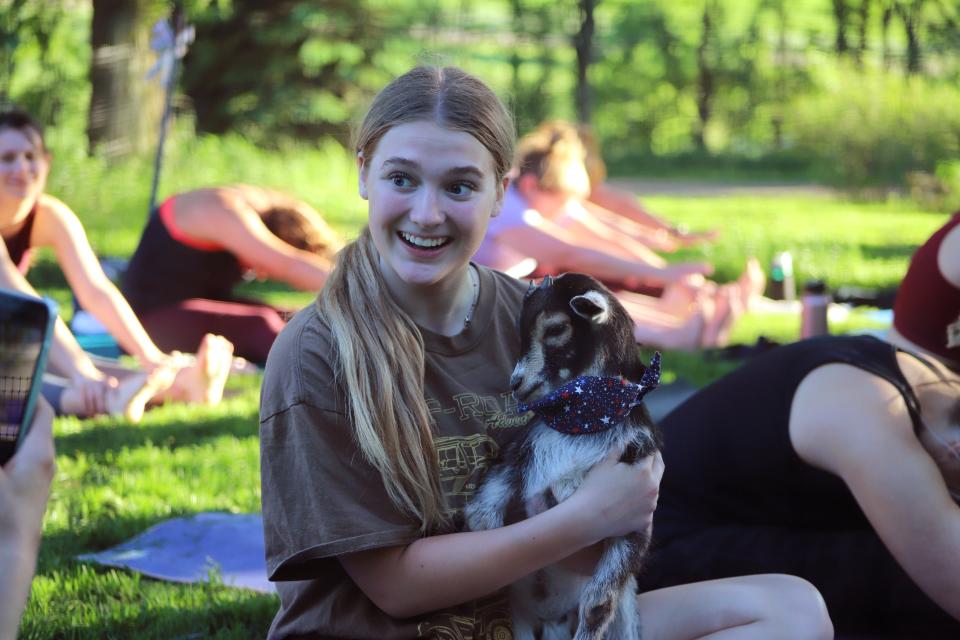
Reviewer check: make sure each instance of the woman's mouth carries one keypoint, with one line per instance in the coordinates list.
(423, 243)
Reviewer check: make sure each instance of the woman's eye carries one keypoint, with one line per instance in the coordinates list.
(462, 189)
(401, 180)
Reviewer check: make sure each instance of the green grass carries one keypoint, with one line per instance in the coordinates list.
(115, 479)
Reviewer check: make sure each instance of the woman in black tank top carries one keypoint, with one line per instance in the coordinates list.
(833, 459)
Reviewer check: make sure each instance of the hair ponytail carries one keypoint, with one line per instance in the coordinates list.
(379, 356)
(379, 361)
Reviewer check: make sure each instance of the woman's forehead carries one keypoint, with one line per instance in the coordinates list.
(20, 139)
(432, 147)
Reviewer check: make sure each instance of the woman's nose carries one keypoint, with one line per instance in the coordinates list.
(427, 209)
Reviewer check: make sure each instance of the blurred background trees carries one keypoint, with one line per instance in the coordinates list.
(851, 92)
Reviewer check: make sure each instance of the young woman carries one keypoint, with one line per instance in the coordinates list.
(835, 459)
(197, 247)
(383, 403)
(30, 218)
(544, 217)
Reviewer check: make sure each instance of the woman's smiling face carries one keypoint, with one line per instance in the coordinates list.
(24, 164)
(431, 193)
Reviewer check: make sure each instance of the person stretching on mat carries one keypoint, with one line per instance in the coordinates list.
(198, 245)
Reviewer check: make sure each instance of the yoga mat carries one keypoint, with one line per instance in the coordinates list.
(187, 549)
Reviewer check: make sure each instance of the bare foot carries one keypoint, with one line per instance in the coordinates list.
(130, 397)
(752, 283)
(201, 380)
(729, 307)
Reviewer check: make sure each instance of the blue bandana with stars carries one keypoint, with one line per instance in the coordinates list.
(591, 404)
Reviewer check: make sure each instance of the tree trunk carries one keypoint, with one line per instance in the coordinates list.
(910, 17)
(840, 15)
(125, 107)
(705, 79)
(583, 42)
(863, 21)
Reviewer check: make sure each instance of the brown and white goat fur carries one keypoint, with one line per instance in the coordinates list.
(570, 326)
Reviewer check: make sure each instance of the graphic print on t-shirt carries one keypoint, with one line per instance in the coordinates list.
(485, 619)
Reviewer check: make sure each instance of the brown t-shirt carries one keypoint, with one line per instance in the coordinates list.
(321, 499)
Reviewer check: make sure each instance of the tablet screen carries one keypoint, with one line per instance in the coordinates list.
(22, 330)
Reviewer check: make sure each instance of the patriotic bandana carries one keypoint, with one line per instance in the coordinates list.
(591, 404)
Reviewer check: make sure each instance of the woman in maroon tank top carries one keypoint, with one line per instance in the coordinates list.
(31, 218)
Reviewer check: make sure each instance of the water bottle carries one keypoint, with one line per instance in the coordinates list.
(813, 309)
(781, 284)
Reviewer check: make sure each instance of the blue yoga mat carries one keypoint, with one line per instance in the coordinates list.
(188, 549)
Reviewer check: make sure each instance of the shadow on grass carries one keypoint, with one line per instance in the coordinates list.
(190, 611)
(175, 432)
(58, 549)
(889, 251)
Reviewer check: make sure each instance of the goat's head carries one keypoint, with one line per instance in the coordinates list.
(572, 326)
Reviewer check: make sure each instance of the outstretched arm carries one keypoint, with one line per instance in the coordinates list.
(57, 226)
(552, 245)
(66, 357)
(665, 236)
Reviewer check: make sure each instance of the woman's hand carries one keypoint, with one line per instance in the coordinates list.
(619, 498)
(92, 393)
(24, 488)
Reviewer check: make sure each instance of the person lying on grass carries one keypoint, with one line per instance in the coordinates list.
(198, 245)
(30, 218)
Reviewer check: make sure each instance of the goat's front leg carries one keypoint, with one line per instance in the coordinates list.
(600, 599)
(488, 506)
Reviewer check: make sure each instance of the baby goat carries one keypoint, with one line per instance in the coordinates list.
(576, 343)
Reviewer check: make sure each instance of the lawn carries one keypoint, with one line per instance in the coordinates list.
(116, 479)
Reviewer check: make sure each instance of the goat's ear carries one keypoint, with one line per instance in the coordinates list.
(592, 305)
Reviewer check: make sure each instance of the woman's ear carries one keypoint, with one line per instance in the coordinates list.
(362, 174)
(501, 190)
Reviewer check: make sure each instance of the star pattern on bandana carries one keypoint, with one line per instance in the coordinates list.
(591, 404)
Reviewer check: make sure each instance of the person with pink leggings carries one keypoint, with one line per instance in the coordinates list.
(198, 245)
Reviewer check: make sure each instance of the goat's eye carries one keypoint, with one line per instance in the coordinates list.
(554, 331)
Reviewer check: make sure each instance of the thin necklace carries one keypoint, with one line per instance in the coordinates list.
(475, 281)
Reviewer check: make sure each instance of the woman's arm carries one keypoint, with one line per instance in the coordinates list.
(57, 226)
(665, 235)
(594, 227)
(241, 231)
(441, 571)
(66, 357)
(552, 245)
(24, 487)
(856, 425)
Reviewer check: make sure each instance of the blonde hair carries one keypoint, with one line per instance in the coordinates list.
(379, 349)
(555, 155)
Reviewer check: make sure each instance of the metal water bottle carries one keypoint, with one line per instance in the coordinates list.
(813, 309)
(781, 284)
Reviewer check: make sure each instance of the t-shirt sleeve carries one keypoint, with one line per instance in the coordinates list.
(320, 497)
